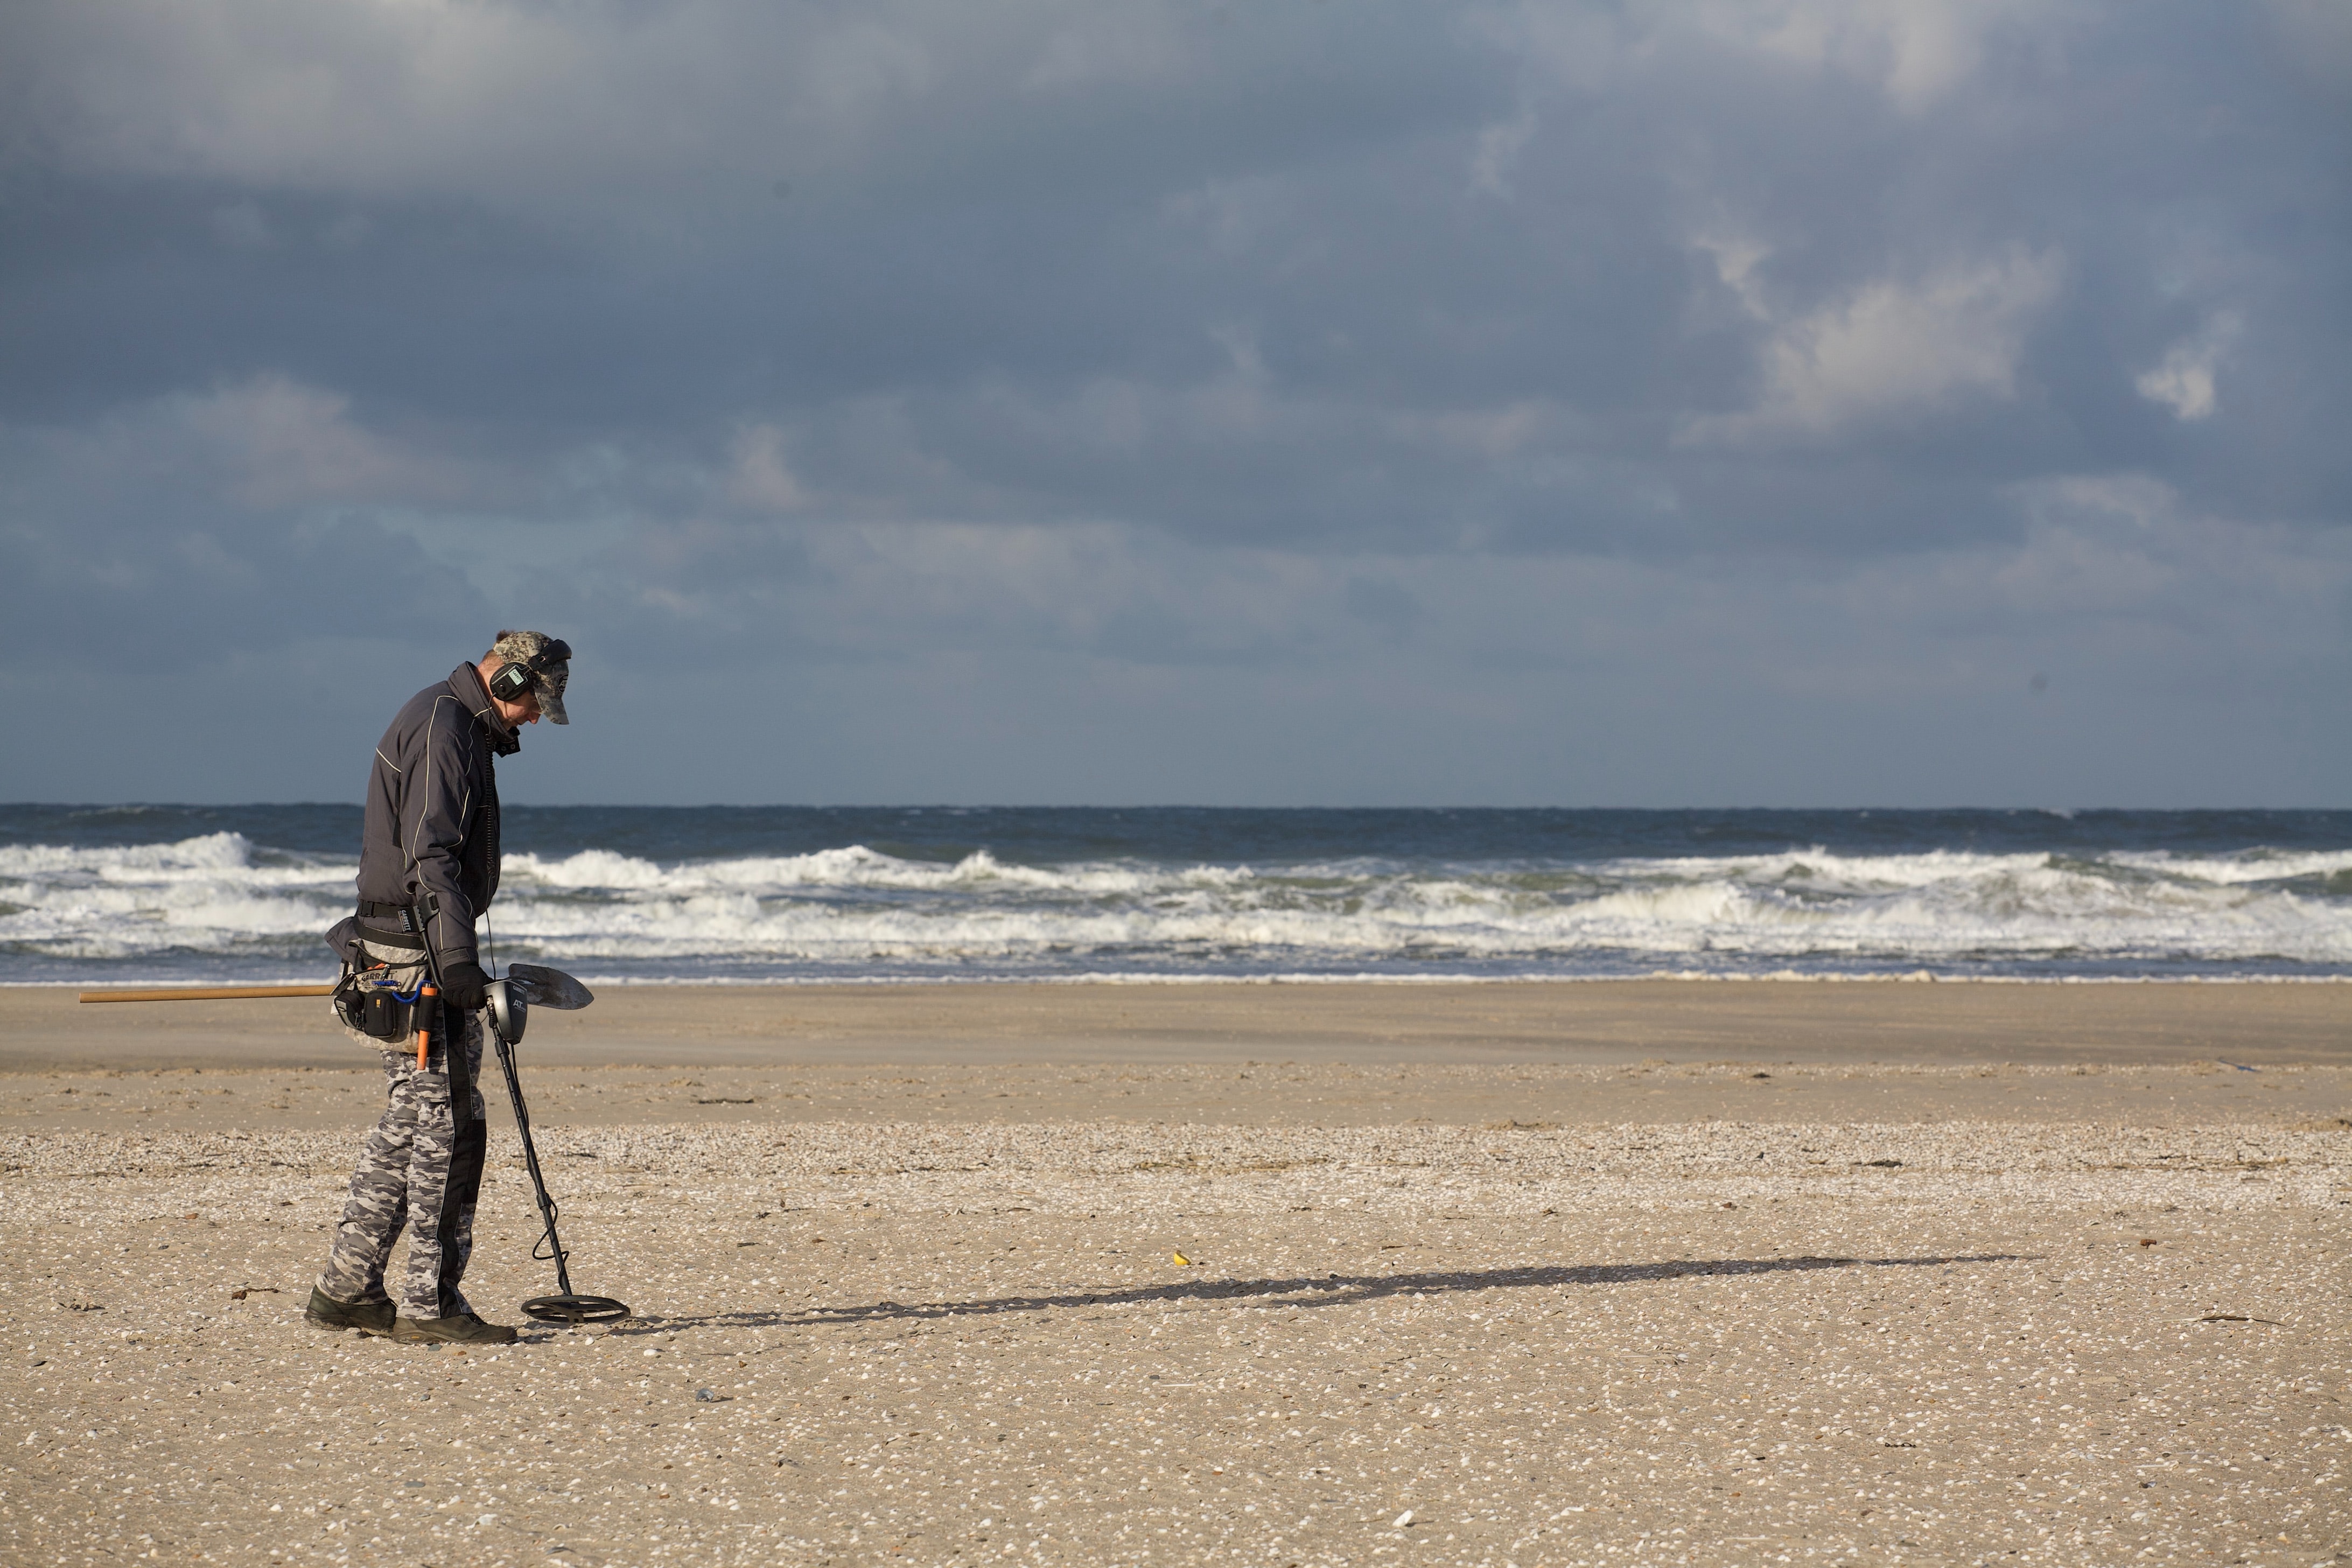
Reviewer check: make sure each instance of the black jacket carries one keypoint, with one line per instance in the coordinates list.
(432, 811)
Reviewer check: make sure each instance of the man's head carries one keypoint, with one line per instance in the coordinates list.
(541, 667)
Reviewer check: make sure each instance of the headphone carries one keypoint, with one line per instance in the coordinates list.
(515, 677)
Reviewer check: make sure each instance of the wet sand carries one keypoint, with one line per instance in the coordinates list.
(1571, 1274)
(1609, 1021)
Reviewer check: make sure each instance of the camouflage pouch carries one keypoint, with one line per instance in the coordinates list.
(376, 1003)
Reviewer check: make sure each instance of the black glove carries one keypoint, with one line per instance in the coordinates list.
(463, 985)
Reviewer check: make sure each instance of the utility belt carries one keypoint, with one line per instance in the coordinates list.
(369, 1001)
(384, 999)
(390, 925)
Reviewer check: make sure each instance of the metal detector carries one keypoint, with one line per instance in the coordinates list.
(510, 1001)
(528, 985)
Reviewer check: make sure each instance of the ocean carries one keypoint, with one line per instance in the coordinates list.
(129, 894)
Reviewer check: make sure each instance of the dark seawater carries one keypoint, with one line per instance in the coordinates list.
(117, 894)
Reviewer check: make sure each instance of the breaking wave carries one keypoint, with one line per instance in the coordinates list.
(221, 904)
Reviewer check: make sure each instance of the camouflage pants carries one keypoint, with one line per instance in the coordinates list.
(421, 1168)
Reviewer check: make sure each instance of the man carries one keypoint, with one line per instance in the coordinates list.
(429, 866)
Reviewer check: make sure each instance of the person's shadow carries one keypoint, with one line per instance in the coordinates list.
(1329, 1290)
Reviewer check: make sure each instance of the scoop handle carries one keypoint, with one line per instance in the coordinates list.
(428, 1013)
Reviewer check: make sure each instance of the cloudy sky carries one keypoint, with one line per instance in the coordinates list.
(1806, 401)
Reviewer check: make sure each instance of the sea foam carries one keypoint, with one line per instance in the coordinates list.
(219, 903)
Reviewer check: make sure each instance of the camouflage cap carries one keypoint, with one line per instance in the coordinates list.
(553, 673)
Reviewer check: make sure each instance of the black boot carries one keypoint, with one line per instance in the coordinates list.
(368, 1316)
(464, 1329)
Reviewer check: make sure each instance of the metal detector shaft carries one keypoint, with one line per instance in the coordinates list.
(531, 1162)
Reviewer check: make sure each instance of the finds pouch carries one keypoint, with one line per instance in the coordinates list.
(376, 1000)
(382, 1015)
(343, 938)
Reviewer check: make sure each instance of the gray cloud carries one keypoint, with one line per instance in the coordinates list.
(1139, 397)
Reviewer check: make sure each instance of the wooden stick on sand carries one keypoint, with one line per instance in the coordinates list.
(208, 993)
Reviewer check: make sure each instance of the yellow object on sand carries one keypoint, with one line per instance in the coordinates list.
(1181, 1261)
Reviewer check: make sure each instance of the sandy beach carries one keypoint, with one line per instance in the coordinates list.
(1481, 1274)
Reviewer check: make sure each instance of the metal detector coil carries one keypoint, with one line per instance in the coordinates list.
(511, 1001)
(575, 1310)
